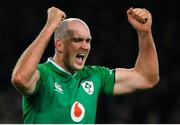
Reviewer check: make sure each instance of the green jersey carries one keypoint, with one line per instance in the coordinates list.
(61, 97)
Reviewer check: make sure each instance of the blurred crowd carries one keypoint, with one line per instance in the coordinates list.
(114, 44)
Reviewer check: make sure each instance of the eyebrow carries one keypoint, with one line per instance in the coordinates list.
(77, 39)
(70, 32)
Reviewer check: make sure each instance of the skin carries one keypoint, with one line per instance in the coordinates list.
(72, 41)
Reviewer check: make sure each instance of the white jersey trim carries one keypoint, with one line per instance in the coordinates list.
(59, 67)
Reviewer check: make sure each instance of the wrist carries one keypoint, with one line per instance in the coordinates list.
(52, 25)
(144, 33)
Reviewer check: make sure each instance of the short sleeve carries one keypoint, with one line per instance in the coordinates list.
(107, 79)
(108, 86)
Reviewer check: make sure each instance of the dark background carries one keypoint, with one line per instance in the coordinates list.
(114, 45)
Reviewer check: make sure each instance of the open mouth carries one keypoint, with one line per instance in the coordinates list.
(80, 57)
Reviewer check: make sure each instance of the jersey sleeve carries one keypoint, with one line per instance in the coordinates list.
(108, 79)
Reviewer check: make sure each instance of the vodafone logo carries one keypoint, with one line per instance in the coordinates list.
(77, 111)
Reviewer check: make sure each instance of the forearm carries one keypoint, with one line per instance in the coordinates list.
(26, 65)
(147, 61)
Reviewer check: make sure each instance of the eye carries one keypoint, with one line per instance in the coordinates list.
(77, 39)
(88, 40)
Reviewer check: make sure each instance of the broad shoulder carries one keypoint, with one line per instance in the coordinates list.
(95, 69)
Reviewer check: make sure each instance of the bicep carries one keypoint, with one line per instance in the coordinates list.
(128, 80)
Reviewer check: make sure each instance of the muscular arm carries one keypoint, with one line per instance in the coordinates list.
(25, 75)
(145, 74)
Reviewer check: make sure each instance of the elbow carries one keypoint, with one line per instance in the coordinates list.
(157, 79)
(18, 81)
(21, 84)
(153, 81)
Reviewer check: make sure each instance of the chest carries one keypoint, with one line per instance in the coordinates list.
(74, 97)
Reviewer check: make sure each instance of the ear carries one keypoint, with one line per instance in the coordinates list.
(59, 45)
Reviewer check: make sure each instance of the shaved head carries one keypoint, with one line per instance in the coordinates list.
(67, 28)
(72, 44)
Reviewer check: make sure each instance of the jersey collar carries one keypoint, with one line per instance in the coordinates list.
(59, 67)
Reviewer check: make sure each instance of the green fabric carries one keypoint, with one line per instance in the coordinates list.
(57, 91)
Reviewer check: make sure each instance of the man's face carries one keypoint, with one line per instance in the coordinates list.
(76, 47)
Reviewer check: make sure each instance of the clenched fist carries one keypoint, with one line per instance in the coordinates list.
(140, 19)
(55, 16)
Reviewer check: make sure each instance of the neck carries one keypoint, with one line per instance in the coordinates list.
(59, 61)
